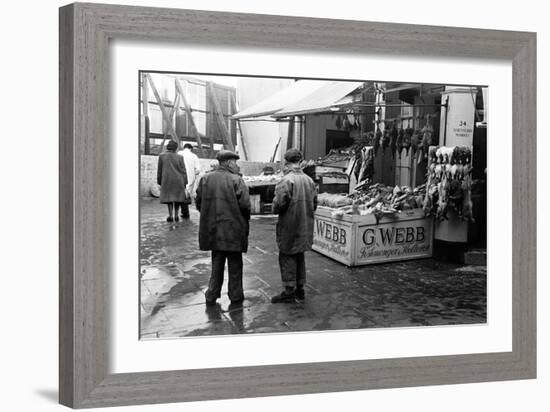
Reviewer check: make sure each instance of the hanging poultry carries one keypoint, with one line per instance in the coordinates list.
(449, 182)
(399, 142)
(346, 125)
(377, 138)
(407, 138)
(443, 201)
(367, 167)
(467, 205)
(386, 137)
(338, 122)
(393, 139)
(415, 141)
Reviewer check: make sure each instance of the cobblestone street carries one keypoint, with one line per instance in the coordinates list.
(174, 275)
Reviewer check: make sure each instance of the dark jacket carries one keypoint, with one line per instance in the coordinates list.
(172, 178)
(224, 204)
(295, 201)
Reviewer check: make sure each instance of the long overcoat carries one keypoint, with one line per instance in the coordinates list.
(224, 205)
(295, 202)
(172, 178)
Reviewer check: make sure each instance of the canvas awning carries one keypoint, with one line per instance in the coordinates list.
(276, 102)
(320, 100)
(302, 97)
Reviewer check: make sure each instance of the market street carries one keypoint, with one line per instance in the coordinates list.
(174, 275)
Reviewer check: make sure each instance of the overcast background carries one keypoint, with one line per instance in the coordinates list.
(29, 224)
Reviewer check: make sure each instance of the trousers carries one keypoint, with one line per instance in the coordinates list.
(235, 276)
(293, 269)
(184, 209)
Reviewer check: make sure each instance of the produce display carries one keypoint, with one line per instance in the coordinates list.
(449, 182)
(333, 156)
(262, 179)
(361, 154)
(377, 199)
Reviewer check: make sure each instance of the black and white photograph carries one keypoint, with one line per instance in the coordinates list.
(282, 205)
(246, 206)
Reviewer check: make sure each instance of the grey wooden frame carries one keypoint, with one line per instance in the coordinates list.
(85, 31)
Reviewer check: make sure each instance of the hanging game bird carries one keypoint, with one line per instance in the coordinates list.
(399, 141)
(407, 139)
(385, 139)
(376, 142)
(415, 141)
(393, 139)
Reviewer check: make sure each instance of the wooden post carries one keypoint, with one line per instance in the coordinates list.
(290, 134)
(165, 114)
(275, 151)
(190, 118)
(240, 128)
(209, 122)
(171, 119)
(218, 114)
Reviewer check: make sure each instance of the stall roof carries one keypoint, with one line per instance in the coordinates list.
(319, 100)
(293, 93)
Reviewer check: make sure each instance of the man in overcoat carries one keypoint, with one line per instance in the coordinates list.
(295, 202)
(224, 205)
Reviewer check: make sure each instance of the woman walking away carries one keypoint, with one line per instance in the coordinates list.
(172, 178)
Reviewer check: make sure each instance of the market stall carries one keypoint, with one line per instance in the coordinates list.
(374, 224)
(330, 172)
(262, 191)
(378, 223)
(393, 166)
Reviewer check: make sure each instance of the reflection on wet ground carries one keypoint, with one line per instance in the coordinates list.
(174, 275)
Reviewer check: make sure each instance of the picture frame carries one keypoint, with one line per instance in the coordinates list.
(85, 32)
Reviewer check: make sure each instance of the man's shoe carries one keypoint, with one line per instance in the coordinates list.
(184, 216)
(300, 294)
(284, 297)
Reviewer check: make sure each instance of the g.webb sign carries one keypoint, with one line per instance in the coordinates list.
(359, 240)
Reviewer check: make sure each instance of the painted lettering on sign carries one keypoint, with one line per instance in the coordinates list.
(393, 235)
(330, 232)
(463, 130)
(367, 252)
(331, 247)
(408, 236)
(394, 241)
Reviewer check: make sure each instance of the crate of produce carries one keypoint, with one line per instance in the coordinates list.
(356, 240)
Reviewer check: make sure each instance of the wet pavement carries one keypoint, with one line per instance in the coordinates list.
(174, 275)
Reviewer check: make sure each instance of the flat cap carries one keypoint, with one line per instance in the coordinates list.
(172, 145)
(226, 155)
(293, 155)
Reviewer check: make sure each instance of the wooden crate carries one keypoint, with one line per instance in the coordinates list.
(356, 240)
(266, 208)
